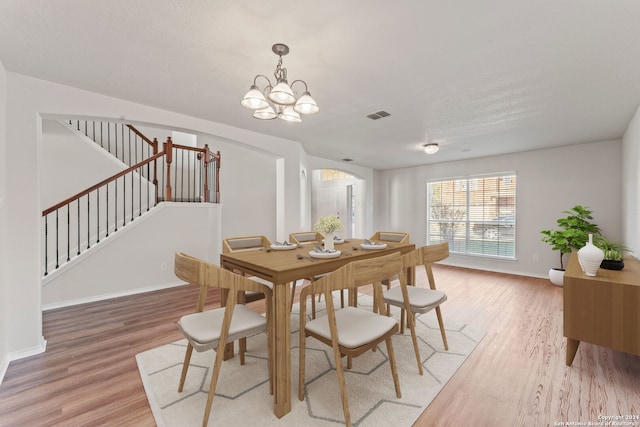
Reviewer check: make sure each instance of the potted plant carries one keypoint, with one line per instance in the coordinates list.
(327, 225)
(613, 253)
(572, 234)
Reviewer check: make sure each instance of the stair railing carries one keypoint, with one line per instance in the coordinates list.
(83, 220)
(190, 174)
(123, 141)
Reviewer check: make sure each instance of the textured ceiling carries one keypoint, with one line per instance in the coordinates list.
(479, 78)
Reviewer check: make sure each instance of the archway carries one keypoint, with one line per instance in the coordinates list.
(334, 192)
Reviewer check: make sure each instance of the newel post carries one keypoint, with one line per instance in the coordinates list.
(154, 145)
(218, 177)
(207, 160)
(168, 152)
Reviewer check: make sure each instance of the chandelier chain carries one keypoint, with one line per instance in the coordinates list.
(280, 73)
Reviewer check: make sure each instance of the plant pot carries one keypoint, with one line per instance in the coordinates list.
(610, 264)
(556, 275)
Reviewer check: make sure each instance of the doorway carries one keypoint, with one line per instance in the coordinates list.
(338, 193)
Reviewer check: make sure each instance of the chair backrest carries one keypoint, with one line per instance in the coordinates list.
(435, 253)
(373, 270)
(390, 236)
(305, 237)
(425, 255)
(189, 269)
(354, 274)
(244, 243)
(206, 275)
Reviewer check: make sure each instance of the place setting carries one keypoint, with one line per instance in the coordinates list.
(283, 246)
(319, 252)
(369, 245)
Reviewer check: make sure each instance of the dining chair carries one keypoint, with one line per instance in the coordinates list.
(415, 300)
(350, 331)
(312, 238)
(390, 237)
(248, 243)
(213, 329)
(252, 243)
(306, 237)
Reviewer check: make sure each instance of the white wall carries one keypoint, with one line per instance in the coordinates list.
(138, 258)
(70, 164)
(248, 183)
(23, 332)
(549, 182)
(631, 184)
(4, 321)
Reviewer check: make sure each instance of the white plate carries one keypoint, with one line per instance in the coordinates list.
(334, 254)
(284, 247)
(336, 241)
(376, 246)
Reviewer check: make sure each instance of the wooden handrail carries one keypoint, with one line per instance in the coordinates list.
(168, 146)
(205, 151)
(74, 228)
(100, 184)
(153, 143)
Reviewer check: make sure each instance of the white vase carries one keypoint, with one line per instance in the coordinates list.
(590, 256)
(328, 241)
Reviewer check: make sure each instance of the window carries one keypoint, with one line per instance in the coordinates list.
(476, 215)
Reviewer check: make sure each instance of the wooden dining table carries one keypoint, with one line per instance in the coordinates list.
(281, 267)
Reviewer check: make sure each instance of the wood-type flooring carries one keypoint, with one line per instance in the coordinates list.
(515, 377)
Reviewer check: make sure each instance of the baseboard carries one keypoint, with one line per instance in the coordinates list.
(17, 355)
(40, 348)
(494, 270)
(3, 368)
(103, 297)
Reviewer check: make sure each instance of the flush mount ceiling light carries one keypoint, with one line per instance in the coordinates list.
(285, 104)
(431, 148)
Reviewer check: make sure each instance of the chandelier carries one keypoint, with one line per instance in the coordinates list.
(285, 104)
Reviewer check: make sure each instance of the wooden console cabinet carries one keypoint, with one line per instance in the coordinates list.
(602, 310)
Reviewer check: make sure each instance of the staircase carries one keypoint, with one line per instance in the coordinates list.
(151, 173)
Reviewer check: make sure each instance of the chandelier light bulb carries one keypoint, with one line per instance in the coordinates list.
(265, 113)
(306, 104)
(254, 99)
(290, 115)
(282, 94)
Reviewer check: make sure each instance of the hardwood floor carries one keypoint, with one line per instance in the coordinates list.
(515, 377)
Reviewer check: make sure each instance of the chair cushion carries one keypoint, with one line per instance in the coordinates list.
(248, 243)
(421, 300)
(391, 237)
(356, 327)
(306, 237)
(260, 280)
(203, 329)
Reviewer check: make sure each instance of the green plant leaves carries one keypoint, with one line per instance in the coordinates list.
(573, 231)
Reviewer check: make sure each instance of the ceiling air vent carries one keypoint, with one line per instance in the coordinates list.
(378, 115)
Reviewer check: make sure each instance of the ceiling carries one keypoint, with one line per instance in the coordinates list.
(479, 78)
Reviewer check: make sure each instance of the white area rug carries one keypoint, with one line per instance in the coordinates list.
(242, 396)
